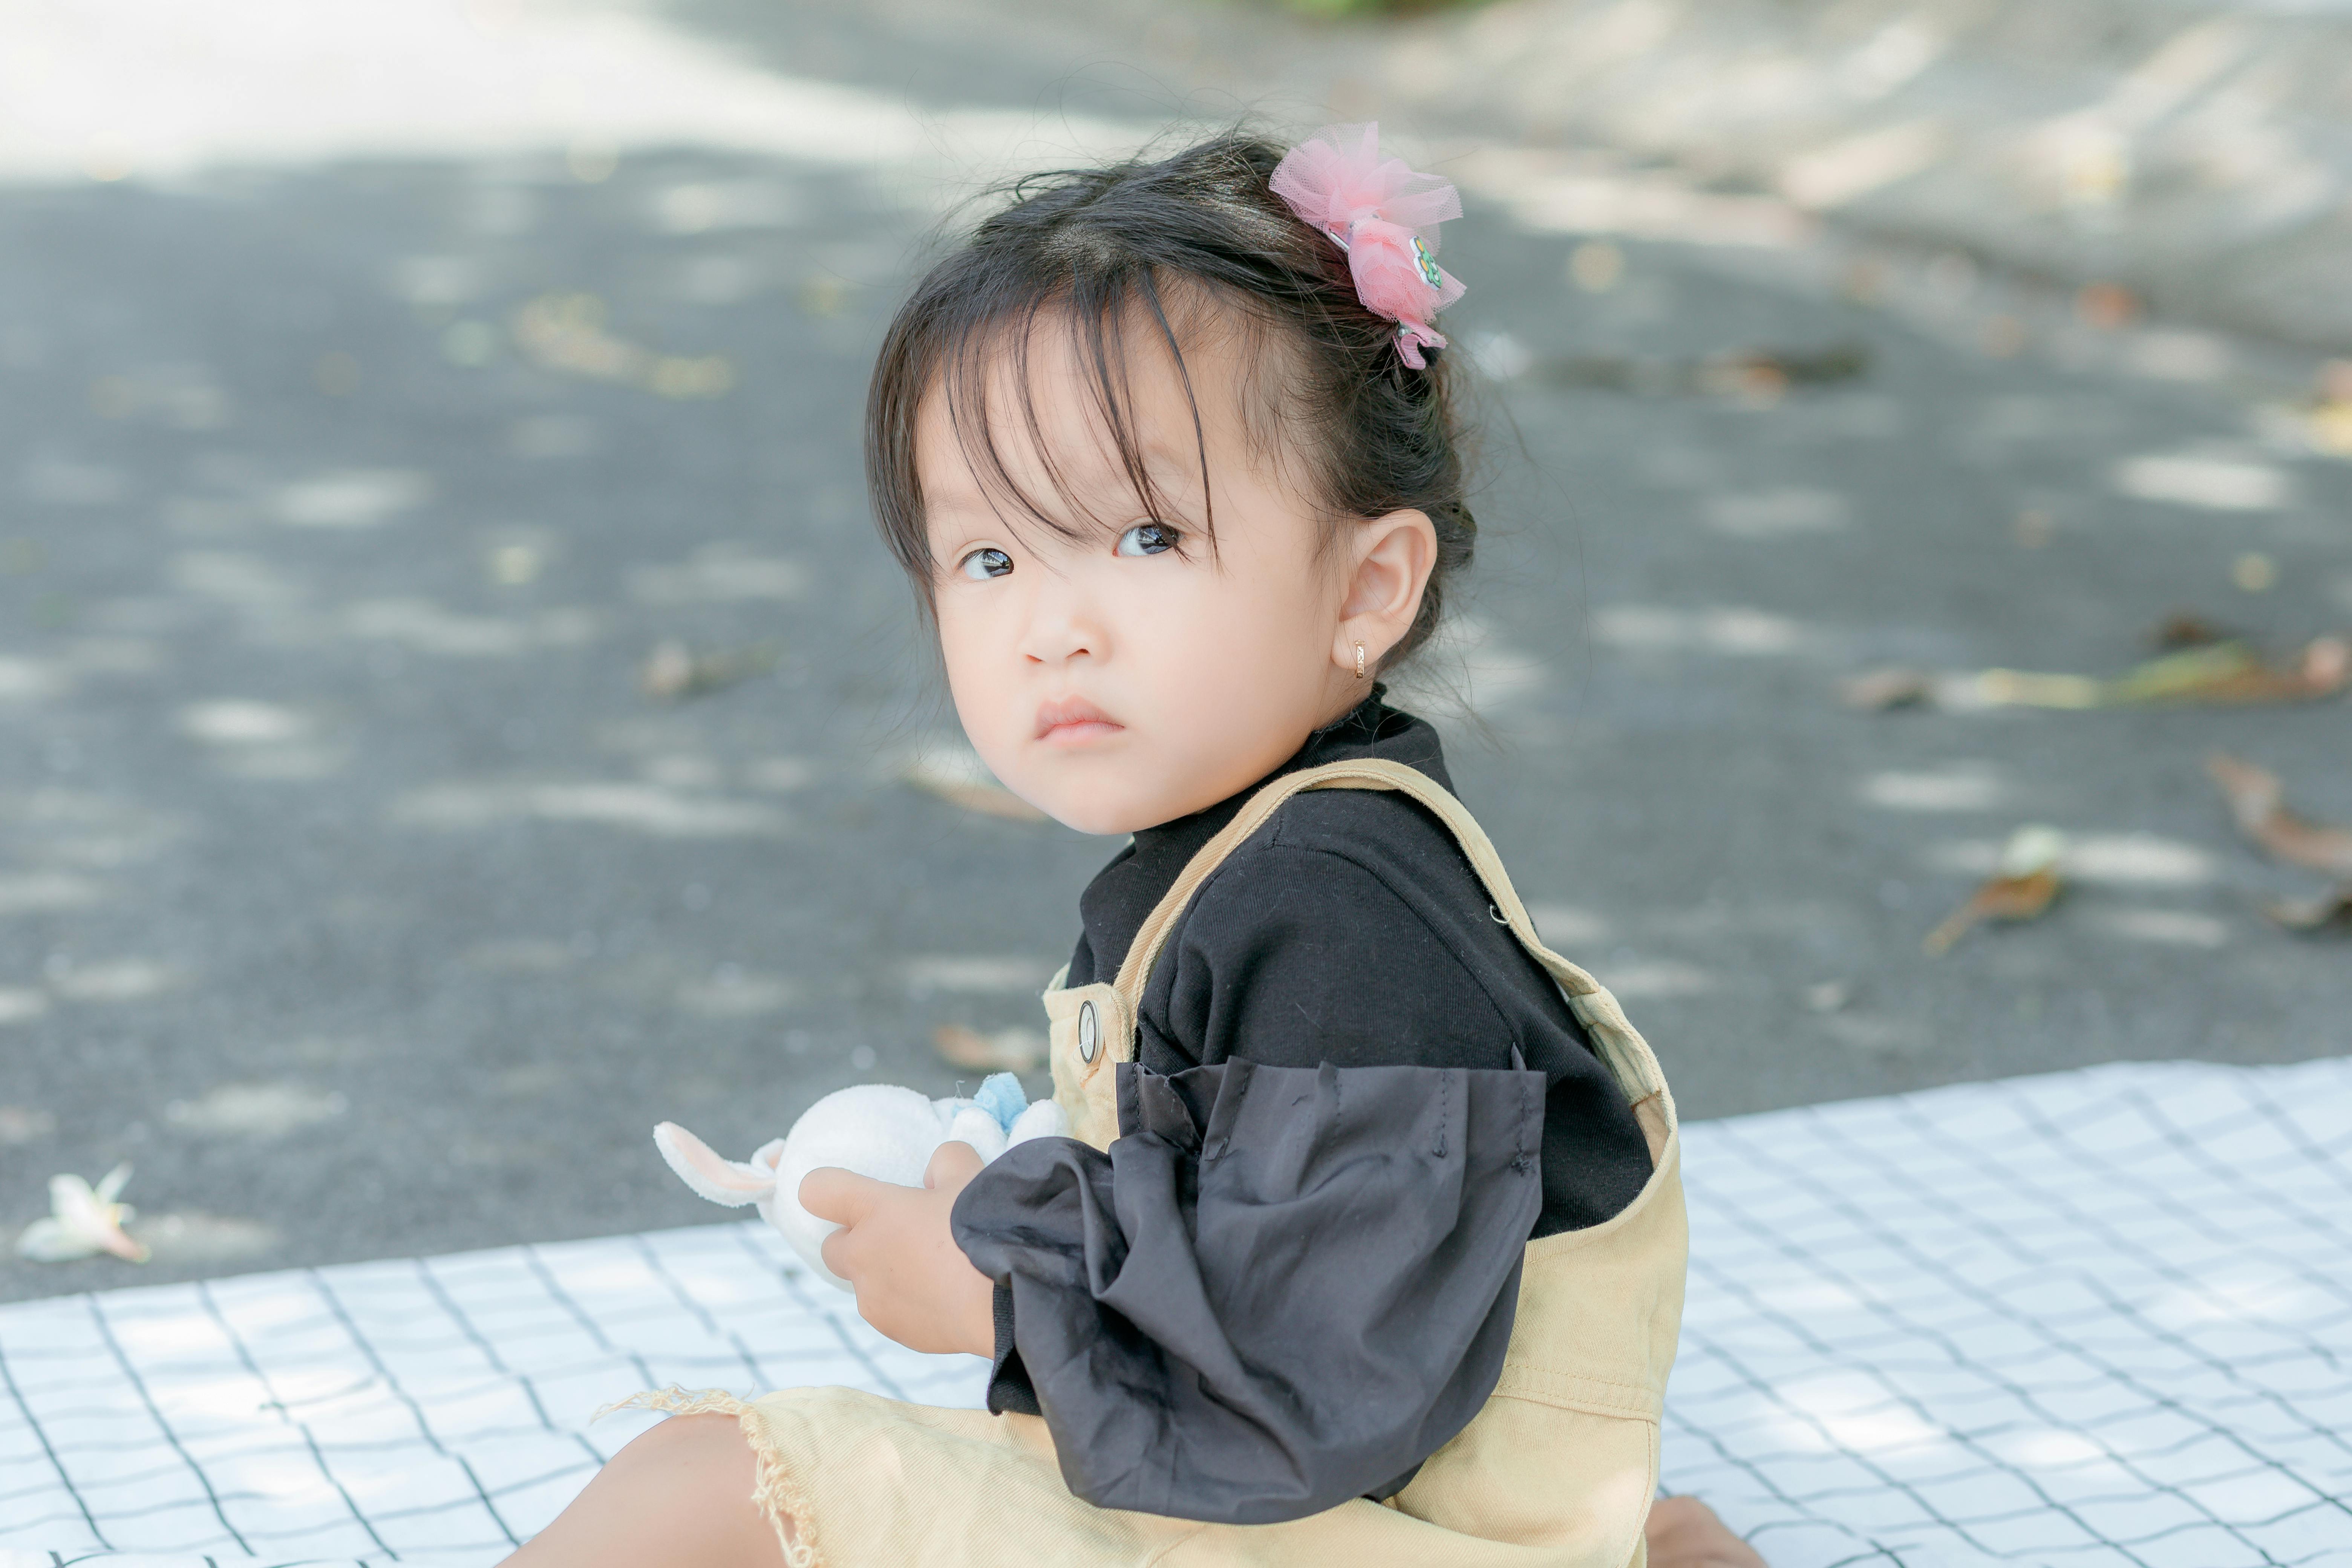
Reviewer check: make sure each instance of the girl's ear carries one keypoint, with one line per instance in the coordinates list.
(1392, 557)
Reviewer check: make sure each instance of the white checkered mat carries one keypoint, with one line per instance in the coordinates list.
(2092, 1319)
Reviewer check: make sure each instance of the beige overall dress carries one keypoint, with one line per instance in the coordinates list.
(1558, 1468)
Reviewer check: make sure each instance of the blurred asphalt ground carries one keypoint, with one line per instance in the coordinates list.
(353, 887)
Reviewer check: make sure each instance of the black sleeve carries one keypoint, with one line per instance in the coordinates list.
(1282, 1289)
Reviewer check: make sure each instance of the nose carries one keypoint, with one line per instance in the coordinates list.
(1061, 625)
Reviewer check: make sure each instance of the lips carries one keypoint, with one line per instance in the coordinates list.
(1072, 718)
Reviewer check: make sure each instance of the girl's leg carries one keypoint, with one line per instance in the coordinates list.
(1684, 1533)
(679, 1495)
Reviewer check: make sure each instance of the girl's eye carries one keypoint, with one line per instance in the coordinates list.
(982, 564)
(1148, 539)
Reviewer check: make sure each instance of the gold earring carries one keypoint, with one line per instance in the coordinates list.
(1359, 661)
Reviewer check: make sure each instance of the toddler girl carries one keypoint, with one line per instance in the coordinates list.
(1368, 1245)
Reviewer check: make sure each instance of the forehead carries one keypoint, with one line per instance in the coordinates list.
(1057, 418)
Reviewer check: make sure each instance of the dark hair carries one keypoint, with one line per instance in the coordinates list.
(1104, 251)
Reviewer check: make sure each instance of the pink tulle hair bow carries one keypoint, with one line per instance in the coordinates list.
(1385, 216)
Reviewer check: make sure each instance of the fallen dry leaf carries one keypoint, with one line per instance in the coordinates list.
(2258, 801)
(2333, 907)
(1876, 690)
(2021, 889)
(1006, 1051)
(2259, 804)
(2234, 672)
(2186, 628)
(2210, 672)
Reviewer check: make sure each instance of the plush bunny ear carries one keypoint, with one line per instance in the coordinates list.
(720, 1180)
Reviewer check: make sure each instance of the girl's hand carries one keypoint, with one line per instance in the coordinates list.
(913, 1282)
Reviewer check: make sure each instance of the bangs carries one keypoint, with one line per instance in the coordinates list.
(987, 386)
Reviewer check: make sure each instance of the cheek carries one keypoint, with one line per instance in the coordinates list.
(968, 648)
(1232, 645)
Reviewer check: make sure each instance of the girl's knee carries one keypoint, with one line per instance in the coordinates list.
(683, 1492)
(706, 1463)
(704, 1450)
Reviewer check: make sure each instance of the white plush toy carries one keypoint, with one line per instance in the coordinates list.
(877, 1130)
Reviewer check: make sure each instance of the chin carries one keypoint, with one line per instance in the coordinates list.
(1095, 804)
(1092, 815)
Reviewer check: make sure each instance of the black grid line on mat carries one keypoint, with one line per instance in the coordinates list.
(521, 1381)
(563, 1297)
(2095, 1320)
(1994, 1306)
(164, 1426)
(2112, 1289)
(31, 1423)
(310, 1441)
(2113, 1307)
(424, 1421)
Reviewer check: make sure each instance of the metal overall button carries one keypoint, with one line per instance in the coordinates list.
(1089, 1033)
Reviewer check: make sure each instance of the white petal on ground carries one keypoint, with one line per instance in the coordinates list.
(83, 1221)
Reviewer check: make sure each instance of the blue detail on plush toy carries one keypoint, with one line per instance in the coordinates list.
(1001, 1096)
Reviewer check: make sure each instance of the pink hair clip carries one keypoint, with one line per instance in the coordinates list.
(1385, 216)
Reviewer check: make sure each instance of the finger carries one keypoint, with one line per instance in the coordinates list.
(837, 1250)
(842, 1196)
(953, 1164)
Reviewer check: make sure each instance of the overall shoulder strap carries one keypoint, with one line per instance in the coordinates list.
(1370, 774)
(1628, 1055)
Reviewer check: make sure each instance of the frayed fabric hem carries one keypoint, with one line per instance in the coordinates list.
(773, 1490)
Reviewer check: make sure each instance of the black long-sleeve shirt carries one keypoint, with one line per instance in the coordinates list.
(1355, 1098)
